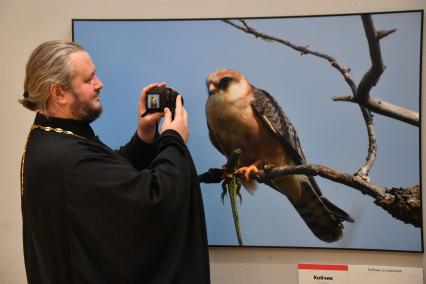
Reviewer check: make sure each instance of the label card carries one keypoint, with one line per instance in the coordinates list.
(323, 274)
(365, 274)
(358, 274)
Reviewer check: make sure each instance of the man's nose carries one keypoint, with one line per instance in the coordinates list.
(98, 83)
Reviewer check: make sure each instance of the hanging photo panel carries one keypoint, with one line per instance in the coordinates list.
(323, 111)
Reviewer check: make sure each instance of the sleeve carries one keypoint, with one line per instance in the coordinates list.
(138, 153)
(122, 221)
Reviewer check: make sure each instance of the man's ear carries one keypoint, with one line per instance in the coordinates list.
(58, 94)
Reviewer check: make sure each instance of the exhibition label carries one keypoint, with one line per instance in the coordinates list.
(358, 274)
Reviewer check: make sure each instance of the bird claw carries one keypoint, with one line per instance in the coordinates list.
(246, 171)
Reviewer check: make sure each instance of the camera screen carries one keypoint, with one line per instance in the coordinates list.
(153, 101)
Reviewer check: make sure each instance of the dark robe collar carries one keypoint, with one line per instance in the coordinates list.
(77, 127)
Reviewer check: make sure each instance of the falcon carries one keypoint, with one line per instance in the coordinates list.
(241, 116)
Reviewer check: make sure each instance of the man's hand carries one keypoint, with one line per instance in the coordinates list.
(147, 125)
(180, 121)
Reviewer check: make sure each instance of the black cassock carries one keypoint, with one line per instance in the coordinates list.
(94, 215)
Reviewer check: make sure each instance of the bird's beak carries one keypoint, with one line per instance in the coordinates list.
(211, 88)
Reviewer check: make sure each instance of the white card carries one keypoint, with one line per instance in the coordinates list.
(366, 274)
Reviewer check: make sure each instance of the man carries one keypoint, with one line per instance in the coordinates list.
(94, 215)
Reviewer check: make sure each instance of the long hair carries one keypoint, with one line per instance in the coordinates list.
(48, 64)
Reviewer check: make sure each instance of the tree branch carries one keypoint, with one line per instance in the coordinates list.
(372, 145)
(302, 49)
(385, 108)
(402, 203)
(369, 79)
(356, 182)
(383, 33)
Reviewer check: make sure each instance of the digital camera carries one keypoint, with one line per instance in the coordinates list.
(160, 97)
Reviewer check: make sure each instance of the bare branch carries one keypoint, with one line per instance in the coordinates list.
(386, 109)
(383, 33)
(402, 203)
(356, 182)
(369, 79)
(302, 49)
(372, 145)
(372, 76)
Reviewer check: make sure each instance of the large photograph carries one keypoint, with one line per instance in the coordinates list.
(305, 131)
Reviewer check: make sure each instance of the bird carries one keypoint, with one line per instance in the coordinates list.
(241, 116)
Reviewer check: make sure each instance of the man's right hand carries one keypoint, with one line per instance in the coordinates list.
(147, 124)
(180, 121)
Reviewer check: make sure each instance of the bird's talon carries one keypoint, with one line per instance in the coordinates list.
(246, 171)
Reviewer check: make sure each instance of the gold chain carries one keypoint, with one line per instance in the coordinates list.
(57, 130)
(47, 129)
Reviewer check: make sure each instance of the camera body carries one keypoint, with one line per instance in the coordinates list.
(160, 97)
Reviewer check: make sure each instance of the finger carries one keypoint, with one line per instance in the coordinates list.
(179, 107)
(185, 115)
(186, 123)
(179, 101)
(147, 89)
(152, 117)
(150, 87)
(142, 97)
(167, 116)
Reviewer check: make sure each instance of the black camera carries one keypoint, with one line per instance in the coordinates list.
(160, 97)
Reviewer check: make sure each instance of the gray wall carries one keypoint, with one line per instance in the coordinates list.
(24, 24)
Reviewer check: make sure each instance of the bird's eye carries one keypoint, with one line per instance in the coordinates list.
(224, 82)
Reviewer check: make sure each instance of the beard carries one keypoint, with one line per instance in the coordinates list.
(85, 112)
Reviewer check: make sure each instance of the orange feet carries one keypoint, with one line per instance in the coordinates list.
(246, 171)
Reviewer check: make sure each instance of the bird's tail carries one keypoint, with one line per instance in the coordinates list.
(323, 218)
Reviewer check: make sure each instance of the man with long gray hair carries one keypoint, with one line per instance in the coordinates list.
(94, 215)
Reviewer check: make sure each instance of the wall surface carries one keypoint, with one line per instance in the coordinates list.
(24, 24)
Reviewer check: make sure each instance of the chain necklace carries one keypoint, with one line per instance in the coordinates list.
(47, 129)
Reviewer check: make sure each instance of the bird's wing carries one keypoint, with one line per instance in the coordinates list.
(267, 108)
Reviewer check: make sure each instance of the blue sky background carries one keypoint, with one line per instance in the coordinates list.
(132, 54)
